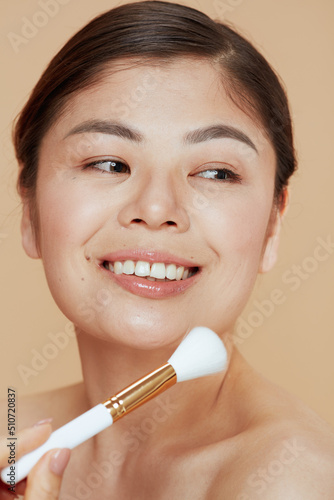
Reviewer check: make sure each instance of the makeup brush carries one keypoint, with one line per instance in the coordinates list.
(200, 353)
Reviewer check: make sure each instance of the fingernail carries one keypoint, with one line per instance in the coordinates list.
(44, 421)
(59, 461)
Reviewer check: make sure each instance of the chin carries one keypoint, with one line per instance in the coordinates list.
(135, 332)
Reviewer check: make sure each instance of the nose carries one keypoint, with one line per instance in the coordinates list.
(156, 203)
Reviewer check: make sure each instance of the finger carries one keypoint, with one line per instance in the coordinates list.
(44, 480)
(19, 490)
(33, 437)
(21, 487)
(7, 495)
(27, 440)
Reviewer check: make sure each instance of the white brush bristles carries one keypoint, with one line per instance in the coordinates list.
(201, 353)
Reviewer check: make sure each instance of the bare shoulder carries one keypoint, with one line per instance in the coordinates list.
(60, 404)
(279, 461)
(286, 451)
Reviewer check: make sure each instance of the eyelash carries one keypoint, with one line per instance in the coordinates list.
(94, 164)
(229, 176)
(232, 176)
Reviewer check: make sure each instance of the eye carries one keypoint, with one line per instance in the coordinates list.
(220, 174)
(109, 166)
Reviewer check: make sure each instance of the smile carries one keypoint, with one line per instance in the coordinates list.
(156, 271)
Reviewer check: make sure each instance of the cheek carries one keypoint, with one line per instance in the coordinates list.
(235, 232)
(68, 215)
(235, 226)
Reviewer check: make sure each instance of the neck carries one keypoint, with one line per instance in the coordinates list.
(109, 367)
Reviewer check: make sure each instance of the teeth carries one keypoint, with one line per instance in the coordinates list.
(171, 272)
(158, 271)
(118, 267)
(179, 273)
(142, 268)
(128, 267)
(185, 274)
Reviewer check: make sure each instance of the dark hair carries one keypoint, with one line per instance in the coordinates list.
(151, 31)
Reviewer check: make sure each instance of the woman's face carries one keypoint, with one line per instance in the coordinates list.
(156, 165)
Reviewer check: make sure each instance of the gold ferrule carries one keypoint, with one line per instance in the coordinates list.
(141, 391)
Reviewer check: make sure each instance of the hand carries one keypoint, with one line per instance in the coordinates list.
(44, 480)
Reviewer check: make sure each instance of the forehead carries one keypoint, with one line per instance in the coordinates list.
(161, 97)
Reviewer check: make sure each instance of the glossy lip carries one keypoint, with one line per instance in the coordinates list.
(151, 289)
(146, 288)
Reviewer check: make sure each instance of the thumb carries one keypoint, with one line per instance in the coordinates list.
(44, 480)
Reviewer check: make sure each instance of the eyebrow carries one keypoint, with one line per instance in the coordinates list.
(107, 127)
(194, 137)
(218, 132)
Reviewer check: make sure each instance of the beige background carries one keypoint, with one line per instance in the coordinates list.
(291, 344)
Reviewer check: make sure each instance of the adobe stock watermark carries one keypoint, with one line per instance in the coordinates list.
(86, 143)
(202, 198)
(3, 237)
(264, 476)
(223, 7)
(90, 307)
(292, 278)
(30, 27)
(131, 440)
(41, 358)
(129, 101)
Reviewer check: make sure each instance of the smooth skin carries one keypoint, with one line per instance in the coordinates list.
(232, 435)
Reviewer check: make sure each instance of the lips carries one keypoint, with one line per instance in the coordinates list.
(150, 274)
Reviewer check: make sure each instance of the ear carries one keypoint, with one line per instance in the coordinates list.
(28, 233)
(270, 252)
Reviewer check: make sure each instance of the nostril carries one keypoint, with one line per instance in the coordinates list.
(168, 222)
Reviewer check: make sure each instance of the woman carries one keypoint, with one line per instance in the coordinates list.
(155, 154)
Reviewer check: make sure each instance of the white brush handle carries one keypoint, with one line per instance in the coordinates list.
(70, 435)
(201, 353)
